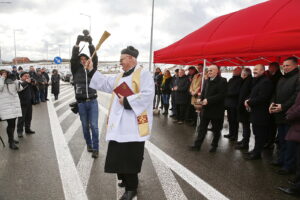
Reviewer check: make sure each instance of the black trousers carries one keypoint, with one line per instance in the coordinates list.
(272, 131)
(11, 125)
(233, 122)
(217, 125)
(25, 120)
(246, 132)
(180, 111)
(261, 134)
(131, 181)
(46, 92)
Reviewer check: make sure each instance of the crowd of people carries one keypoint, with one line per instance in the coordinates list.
(19, 90)
(267, 101)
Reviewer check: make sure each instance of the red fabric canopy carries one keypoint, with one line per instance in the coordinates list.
(263, 33)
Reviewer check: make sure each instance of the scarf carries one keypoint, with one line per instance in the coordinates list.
(165, 77)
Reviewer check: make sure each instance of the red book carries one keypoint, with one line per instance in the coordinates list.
(123, 89)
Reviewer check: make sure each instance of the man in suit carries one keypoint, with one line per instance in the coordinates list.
(258, 105)
(212, 97)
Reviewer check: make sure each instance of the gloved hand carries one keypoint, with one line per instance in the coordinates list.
(79, 39)
(89, 39)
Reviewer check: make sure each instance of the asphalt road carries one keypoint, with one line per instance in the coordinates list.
(53, 163)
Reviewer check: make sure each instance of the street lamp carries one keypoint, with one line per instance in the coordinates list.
(15, 45)
(151, 36)
(90, 18)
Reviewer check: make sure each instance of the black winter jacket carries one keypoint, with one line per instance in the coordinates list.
(215, 92)
(286, 92)
(233, 90)
(26, 94)
(182, 93)
(259, 100)
(243, 114)
(82, 77)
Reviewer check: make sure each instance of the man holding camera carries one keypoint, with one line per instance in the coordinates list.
(86, 97)
(26, 105)
(286, 91)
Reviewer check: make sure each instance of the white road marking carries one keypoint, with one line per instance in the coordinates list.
(62, 117)
(72, 185)
(169, 183)
(72, 129)
(64, 103)
(66, 91)
(84, 167)
(196, 182)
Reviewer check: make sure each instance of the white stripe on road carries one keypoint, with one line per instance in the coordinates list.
(169, 183)
(64, 103)
(62, 117)
(84, 167)
(72, 129)
(69, 89)
(196, 182)
(71, 182)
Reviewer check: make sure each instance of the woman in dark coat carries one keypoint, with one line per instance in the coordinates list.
(166, 90)
(55, 78)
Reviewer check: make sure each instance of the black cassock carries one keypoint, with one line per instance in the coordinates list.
(124, 158)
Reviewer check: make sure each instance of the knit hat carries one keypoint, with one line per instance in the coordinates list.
(130, 50)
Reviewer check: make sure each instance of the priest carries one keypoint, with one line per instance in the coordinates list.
(129, 119)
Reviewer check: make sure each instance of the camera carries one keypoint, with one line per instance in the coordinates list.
(86, 35)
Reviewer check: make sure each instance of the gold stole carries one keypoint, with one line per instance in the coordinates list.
(143, 118)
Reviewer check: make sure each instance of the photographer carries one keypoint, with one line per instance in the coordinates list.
(10, 107)
(26, 105)
(86, 97)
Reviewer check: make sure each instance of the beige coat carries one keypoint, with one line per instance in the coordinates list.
(195, 87)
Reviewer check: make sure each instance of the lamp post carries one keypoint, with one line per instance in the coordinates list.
(90, 18)
(15, 45)
(151, 36)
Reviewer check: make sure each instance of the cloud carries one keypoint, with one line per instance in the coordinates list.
(56, 22)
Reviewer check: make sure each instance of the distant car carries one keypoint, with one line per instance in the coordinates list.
(66, 76)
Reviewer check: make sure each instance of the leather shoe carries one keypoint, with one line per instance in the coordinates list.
(284, 172)
(213, 150)
(13, 146)
(227, 136)
(30, 131)
(288, 191)
(122, 184)
(194, 148)
(95, 154)
(129, 195)
(89, 148)
(253, 157)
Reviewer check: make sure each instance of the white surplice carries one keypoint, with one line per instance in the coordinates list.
(122, 123)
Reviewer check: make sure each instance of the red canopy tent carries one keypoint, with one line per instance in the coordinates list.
(263, 33)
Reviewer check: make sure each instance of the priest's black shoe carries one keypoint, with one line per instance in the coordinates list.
(95, 154)
(13, 146)
(227, 136)
(129, 195)
(289, 191)
(213, 150)
(30, 131)
(253, 157)
(122, 184)
(194, 148)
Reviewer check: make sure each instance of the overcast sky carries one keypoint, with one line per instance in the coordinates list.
(58, 22)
